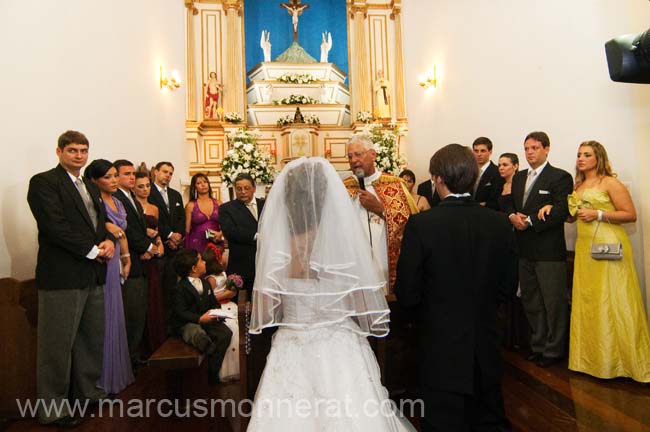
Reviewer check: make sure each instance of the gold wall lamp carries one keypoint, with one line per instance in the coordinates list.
(428, 80)
(169, 81)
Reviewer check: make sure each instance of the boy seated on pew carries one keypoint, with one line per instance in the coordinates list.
(194, 318)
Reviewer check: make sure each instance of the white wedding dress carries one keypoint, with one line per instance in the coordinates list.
(320, 376)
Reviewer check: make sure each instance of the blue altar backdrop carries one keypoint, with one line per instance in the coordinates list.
(321, 16)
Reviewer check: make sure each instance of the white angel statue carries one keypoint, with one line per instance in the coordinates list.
(265, 44)
(325, 46)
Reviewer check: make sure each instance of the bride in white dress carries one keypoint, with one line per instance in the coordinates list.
(316, 281)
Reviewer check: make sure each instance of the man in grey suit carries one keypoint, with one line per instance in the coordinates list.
(70, 274)
(542, 249)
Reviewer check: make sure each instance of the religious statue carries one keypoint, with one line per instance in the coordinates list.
(381, 90)
(265, 44)
(294, 8)
(298, 118)
(325, 46)
(212, 90)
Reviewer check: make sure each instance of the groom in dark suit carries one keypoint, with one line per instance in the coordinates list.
(457, 262)
(238, 219)
(70, 274)
(542, 249)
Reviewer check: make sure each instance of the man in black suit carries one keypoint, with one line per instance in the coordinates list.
(489, 184)
(428, 190)
(70, 274)
(457, 262)
(171, 225)
(238, 219)
(141, 249)
(542, 249)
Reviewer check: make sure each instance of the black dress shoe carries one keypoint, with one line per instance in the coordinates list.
(66, 422)
(534, 357)
(547, 361)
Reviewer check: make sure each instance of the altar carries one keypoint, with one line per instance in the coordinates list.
(309, 99)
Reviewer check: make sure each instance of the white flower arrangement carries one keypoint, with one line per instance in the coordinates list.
(386, 142)
(312, 119)
(232, 117)
(296, 100)
(364, 117)
(243, 155)
(285, 120)
(300, 78)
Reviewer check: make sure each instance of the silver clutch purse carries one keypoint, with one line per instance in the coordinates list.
(607, 251)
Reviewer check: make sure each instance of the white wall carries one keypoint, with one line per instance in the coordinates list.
(92, 66)
(508, 67)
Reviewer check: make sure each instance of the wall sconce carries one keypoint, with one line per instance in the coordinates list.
(169, 81)
(428, 80)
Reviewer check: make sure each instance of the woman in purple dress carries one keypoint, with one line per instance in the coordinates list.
(116, 370)
(201, 216)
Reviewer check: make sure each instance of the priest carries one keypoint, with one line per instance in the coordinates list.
(383, 202)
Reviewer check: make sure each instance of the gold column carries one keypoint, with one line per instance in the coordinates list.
(400, 102)
(191, 81)
(233, 82)
(361, 96)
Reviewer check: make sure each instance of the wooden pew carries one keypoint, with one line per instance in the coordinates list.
(18, 315)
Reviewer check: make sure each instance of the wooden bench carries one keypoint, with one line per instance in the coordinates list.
(174, 353)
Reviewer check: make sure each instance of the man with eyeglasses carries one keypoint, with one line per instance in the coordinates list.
(383, 202)
(238, 219)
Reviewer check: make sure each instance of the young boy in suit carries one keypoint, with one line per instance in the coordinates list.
(192, 300)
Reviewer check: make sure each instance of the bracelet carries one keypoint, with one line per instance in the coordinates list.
(600, 215)
(126, 255)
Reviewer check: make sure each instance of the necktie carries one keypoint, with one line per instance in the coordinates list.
(88, 202)
(163, 192)
(530, 181)
(252, 208)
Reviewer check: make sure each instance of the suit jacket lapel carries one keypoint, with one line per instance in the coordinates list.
(534, 189)
(518, 187)
(190, 288)
(155, 194)
(76, 196)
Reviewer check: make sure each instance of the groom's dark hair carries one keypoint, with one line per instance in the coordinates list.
(457, 167)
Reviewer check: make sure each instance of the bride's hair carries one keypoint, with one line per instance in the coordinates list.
(305, 195)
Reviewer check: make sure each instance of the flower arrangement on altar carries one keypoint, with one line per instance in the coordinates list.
(245, 156)
(293, 78)
(296, 99)
(386, 145)
(364, 117)
(282, 121)
(288, 119)
(232, 117)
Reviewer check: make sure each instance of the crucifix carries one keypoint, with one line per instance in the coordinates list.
(294, 8)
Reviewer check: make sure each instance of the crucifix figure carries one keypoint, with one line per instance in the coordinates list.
(294, 8)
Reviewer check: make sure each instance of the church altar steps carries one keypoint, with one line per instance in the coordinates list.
(329, 114)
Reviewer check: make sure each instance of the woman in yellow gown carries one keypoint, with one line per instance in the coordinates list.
(609, 332)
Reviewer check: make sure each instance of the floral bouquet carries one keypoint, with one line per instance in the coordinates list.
(364, 117)
(234, 282)
(288, 119)
(312, 119)
(293, 78)
(232, 117)
(244, 156)
(296, 100)
(386, 145)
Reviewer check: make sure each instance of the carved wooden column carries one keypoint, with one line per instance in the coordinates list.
(191, 75)
(233, 79)
(361, 96)
(400, 103)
